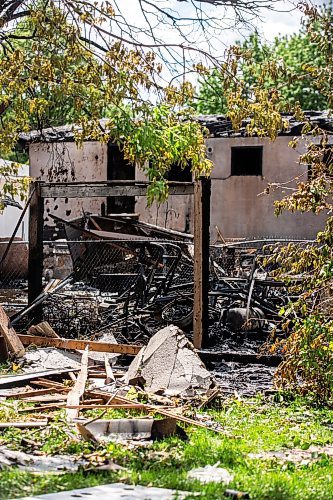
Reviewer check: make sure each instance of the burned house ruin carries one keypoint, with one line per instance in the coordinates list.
(104, 267)
(243, 168)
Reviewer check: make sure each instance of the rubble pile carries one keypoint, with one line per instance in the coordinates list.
(79, 382)
(131, 279)
(116, 334)
(140, 277)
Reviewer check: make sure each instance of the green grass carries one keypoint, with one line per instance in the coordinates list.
(250, 426)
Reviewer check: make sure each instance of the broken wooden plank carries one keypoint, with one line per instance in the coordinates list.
(13, 342)
(50, 383)
(24, 425)
(46, 398)
(77, 391)
(16, 380)
(107, 188)
(84, 406)
(57, 403)
(43, 329)
(124, 403)
(29, 393)
(119, 401)
(108, 370)
(157, 409)
(80, 345)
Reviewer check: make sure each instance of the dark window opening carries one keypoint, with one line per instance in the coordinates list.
(119, 169)
(179, 174)
(246, 160)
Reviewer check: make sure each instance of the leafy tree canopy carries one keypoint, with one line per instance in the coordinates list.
(75, 60)
(306, 268)
(298, 53)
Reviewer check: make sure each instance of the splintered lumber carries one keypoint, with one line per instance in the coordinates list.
(24, 425)
(108, 370)
(49, 383)
(73, 401)
(16, 380)
(30, 393)
(43, 329)
(79, 345)
(85, 406)
(47, 398)
(157, 409)
(13, 341)
(77, 391)
(57, 403)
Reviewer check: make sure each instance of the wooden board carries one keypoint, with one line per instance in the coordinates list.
(28, 394)
(35, 264)
(13, 342)
(74, 395)
(116, 188)
(80, 345)
(83, 406)
(24, 425)
(201, 261)
(16, 380)
(43, 329)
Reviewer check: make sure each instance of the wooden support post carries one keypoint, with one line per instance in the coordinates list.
(202, 189)
(36, 222)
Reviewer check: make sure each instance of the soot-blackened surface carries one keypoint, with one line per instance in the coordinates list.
(241, 378)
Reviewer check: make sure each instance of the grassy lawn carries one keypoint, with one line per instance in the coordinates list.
(251, 426)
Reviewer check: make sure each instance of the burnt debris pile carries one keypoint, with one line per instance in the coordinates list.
(119, 281)
(133, 278)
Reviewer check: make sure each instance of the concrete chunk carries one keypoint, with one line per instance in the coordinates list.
(170, 363)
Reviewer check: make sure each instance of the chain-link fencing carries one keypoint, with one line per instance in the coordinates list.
(130, 287)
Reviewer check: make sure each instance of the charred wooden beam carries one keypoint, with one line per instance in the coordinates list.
(36, 221)
(107, 189)
(202, 190)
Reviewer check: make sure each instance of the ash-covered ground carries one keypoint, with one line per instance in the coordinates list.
(246, 379)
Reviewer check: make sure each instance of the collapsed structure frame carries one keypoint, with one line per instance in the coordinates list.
(201, 191)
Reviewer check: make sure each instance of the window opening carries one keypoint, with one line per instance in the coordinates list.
(119, 169)
(179, 174)
(246, 160)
